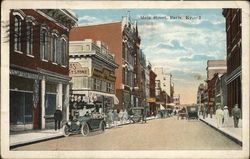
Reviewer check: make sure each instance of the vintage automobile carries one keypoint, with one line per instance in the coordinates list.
(137, 114)
(83, 125)
(192, 112)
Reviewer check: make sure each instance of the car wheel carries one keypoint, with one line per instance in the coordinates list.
(66, 131)
(102, 126)
(85, 129)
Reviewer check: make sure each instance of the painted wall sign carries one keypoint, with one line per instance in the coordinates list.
(75, 69)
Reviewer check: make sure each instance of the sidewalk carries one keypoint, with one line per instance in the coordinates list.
(233, 133)
(32, 136)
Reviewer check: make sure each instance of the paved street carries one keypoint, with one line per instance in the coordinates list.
(159, 134)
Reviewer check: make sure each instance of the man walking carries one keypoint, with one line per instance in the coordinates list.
(58, 118)
(236, 113)
(219, 116)
(226, 116)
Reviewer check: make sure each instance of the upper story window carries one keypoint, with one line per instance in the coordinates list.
(29, 38)
(44, 44)
(64, 51)
(54, 47)
(17, 34)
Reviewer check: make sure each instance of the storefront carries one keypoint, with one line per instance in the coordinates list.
(34, 96)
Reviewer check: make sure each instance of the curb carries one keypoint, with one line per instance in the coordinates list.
(33, 142)
(222, 132)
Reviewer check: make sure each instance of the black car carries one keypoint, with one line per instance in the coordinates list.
(83, 125)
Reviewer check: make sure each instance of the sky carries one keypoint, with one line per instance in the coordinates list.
(179, 40)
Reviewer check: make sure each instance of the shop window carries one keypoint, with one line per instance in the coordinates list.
(21, 107)
(17, 34)
(50, 105)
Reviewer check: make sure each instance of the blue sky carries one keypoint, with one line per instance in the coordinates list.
(181, 45)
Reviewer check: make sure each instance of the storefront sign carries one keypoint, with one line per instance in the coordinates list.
(75, 69)
(104, 75)
(151, 100)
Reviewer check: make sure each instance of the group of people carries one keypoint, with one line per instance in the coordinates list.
(113, 117)
(222, 116)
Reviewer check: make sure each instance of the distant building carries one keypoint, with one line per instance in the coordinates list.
(200, 94)
(39, 69)
(152, 87)
(234, 55)
(92, 68)
(176, 99)
(166, 83)
(123, 41)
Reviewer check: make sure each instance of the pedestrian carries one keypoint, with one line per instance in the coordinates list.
(125, 116)
(236, 113)
(219, 115)
(211, 112)
(110, 118)
(58, 118)
(120, 115)
(226, 116)
(115, 117)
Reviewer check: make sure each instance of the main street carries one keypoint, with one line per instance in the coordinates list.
(159, 134)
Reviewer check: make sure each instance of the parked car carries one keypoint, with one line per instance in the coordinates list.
(83, 125)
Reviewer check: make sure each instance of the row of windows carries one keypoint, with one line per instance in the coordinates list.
(52, 46)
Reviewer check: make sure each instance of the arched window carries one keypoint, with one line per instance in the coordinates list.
(17, 34)
(44, 44)
(54, 47)
(64, 52)
(29, 36)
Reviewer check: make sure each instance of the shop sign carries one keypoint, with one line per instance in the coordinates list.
(75, 69)
(104, 74)
(151, 100)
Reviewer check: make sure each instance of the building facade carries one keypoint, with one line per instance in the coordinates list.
(221, 91)
(176, 99)
(124, 44)
(166, 82)
(234, 55)
(39, 70)
(92, 69)
(152, 87)
(214, 67)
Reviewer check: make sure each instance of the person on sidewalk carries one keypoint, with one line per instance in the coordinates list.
(219, 115)
(58, 118)
(120, 115)
(115, 118)
(110, 118)
(125, 116)
(226, 116)
(236, 113)
(211, 112)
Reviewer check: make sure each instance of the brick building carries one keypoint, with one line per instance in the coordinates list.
(152, 92)
(213, 67)
(234, 54)
(39, 70)
(123, 41)
(92, 69)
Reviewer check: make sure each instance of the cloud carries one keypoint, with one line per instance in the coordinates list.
(174, 45)
(196, 58)
(87, 19)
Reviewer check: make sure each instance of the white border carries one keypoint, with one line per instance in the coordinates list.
(6, 5)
